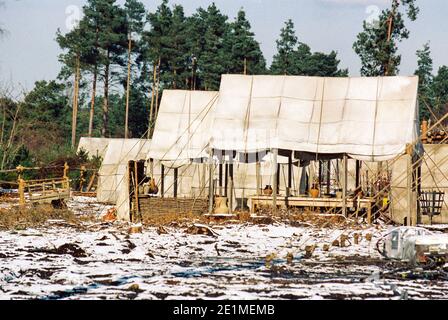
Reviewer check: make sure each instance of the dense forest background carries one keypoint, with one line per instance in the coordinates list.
(118, 60)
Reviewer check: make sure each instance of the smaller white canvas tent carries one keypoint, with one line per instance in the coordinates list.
(113, 184)
(182, 129)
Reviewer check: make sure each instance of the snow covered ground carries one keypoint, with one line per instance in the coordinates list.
(242, 261)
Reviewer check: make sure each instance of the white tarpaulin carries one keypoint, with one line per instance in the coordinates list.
(112, 177)
(370, 119)
(182, 129)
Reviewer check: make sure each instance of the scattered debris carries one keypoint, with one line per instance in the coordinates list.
(110, 216)
(201, 229)
(136, 228)
(161, 230)
(309, 250)
(67, 248)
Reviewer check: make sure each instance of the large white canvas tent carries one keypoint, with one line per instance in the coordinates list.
(371, 119)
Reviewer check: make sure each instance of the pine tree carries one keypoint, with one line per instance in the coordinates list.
(246, 55)
(92, 21)
(424, 72)
(208, 29)
(283, 62)
(135, 12)
(112, 40)
(440, 91)
(377, 46)
(296, 58)
(316, 64)
(177, 50)
(155, 50)
(76, 53)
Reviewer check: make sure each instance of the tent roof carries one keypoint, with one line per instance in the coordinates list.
(367, 118)
(182, 129)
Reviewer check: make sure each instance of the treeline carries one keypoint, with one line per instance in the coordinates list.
(118, 60)
(144, 53)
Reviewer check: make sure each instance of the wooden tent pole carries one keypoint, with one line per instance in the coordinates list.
(226, 179)
(220, 174)
(275, 189)
(231, 185)
(162, 183)
(257, 174)
(358, 174)
(210, 184)
(136, 191)
(176, 172)
(151, 108)
(288, 192)
(409, 189)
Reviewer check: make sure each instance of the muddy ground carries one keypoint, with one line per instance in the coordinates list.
(279, 260)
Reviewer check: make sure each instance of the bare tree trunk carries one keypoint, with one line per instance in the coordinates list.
(151, 109)
(95, 77)
(105, 128)
(245, 66)
(11, 138)
(2, 133)
(92, 103)
(128, 86)
(174, 79)
(389, 37)
(75, 102)
(157, 90)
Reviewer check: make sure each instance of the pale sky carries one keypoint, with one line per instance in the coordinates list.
(29, 53)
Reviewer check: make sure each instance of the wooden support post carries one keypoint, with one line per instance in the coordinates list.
(151, 168)
(344, 186)
(220, 178)
(328, 175)
(419, 192)
(231, 186)
(258, 176)
(409, 190)
(424, 131)
(226, 179)
(288, 191)
(275, 189)
(66, 178)
(358, 174)
(136, 208)
(92, 179)
(21, 191)
(176, 173)
(211, 195)
(369, 214)
(162, 182)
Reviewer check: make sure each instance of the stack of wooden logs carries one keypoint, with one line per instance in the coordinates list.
(434, 136)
